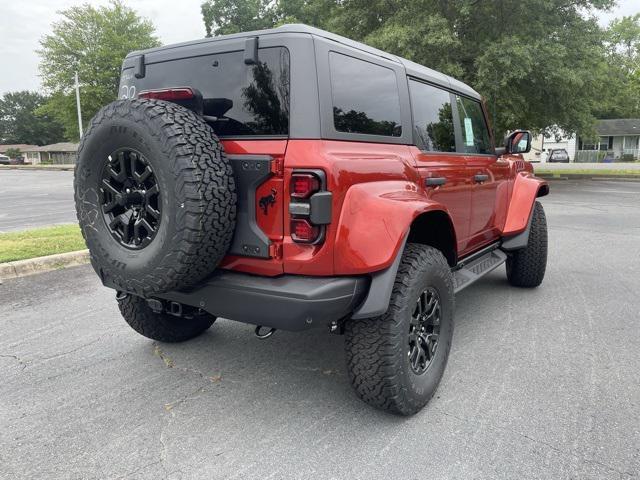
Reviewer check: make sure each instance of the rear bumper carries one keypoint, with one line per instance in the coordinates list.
(287, 302)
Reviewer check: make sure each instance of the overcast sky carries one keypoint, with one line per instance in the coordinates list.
(22, 23)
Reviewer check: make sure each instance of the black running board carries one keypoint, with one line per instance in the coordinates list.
(477, 267)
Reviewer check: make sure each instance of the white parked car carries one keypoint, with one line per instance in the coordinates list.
(4, 160)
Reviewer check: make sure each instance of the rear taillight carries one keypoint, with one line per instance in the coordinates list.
(168, 94)
(302, 231)
(303, 185)
(309, 206)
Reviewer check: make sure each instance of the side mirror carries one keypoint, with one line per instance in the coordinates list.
(518, 141)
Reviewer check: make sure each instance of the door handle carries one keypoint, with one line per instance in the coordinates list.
(479, 178)
(435, 181)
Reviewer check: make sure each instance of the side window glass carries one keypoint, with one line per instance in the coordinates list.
(432, 118)
(475, 134)
(365, 97)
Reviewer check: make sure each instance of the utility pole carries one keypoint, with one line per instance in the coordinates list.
(78, 105)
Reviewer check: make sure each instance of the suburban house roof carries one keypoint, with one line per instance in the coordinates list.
(58, 147)
(21, 146)
(618, 126)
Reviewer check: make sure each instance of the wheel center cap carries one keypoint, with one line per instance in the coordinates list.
(135, 197)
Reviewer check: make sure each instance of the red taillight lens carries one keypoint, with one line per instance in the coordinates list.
(303, 185)
(303, 231)
(168, 94)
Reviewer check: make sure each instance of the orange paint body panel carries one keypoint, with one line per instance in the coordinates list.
(377, 191)
(351, 243)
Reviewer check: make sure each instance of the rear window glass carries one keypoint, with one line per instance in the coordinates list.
(432, 118)
(245, 99)
(365, 97)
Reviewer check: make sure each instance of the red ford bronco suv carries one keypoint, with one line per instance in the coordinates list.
(292, 179)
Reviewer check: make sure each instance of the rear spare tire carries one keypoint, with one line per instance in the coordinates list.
(155, 196)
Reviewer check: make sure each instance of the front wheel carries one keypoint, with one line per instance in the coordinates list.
(396, 360)
(526, 267)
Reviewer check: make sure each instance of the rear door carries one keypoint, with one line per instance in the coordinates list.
(489, 173)
(446, 175)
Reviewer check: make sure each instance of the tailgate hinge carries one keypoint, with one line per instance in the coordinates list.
(277, 166)
(275, 250)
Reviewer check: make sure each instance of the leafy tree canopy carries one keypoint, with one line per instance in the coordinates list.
(92, 41)
(20, 124)
(13, 152)
(538, 63)
(621, 97)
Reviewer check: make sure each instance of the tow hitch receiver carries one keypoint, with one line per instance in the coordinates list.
(173, 308)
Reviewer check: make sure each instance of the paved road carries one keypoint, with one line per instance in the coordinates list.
(541, 383)
(35, 198)
(611, 167)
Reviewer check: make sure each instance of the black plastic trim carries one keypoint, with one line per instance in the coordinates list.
(249, 171)
(519, 240)
(287, 302)
(435, 181)
(299, 209)
(251, 51)
(321, 207)
(377, 301)
(140, 69)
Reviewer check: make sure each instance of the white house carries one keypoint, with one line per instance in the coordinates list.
(542, 144)
(618, 140)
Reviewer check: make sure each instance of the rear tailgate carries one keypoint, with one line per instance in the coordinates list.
(258, 170)
(247, 105)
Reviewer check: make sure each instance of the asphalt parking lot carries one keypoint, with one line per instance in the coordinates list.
(35, 198)
(541, 383)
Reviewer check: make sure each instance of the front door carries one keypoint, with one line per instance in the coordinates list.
(489, 173)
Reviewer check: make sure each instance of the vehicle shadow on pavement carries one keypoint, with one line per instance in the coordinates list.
(303, 371)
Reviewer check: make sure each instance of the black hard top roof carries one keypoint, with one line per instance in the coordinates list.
(412, 68)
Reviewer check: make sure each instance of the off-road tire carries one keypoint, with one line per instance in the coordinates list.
(526, 267)
(162, 327)
(197, 187)
(377, 348)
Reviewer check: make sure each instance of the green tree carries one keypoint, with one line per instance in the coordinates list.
(20, 124)
(13, 152)
(621, 98)
(92, 41)
(538, 63)
(222, 17)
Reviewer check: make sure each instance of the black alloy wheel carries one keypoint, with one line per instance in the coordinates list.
(130, 199)
(397, 359)
(424, 330)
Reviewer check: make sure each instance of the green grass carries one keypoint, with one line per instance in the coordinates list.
(40, 242)
(589, 171)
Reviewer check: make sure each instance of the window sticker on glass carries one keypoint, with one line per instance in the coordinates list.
(468, 132)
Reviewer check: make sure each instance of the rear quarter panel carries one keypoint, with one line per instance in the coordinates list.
(376, 195)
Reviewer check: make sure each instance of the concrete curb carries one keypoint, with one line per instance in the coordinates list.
(31, 266)
(581, 176)
(64, 168)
